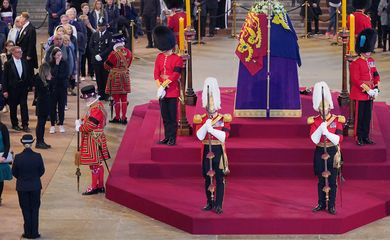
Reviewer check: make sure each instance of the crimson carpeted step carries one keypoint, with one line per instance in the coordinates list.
(291, 150)
(251, 206)
(353, 170)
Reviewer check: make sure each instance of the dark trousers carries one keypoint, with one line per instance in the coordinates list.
(101, 79)
(53, 23)
(29, 202)
(316, 26)
(18, 97)
(386, 37)
(221, 11)
(168, 107)
(1, 187)
(202, 26)
(363, 118)
(319, 167)
(57, 102)
(150, 23)
(84, 58)
(212, 12)
(219, 176)
(14, 9)
(40, 130)
(376, 24)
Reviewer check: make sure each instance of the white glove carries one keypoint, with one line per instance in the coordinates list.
(376, 92)
(209, 125)
(324, 128)
(371, 93)
(316, 136)
(77, 124)
(160, 92)
(334, 138)
(98, 58)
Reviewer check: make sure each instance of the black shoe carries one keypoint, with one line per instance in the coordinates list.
(208, 207)
(368, 141)
(360, 142)
(210, 35)
(101, 190)
(164, 141)
(41, 146)
(115, 120)
(94, 191)
(35, 236)
(26, 129)
(124, 121)
(26, 236)
(171, 142)
(17, 128)
(218, 210)
(318, 208)
(149, 46)
(47, 145)
(332, 210)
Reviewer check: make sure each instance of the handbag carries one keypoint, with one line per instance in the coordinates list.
(10, 157)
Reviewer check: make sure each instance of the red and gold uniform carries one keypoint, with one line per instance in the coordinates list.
(362, 21)
(334, 126)
(173, 22)
(167, 73)
(93, 148)
(118, 84)
(364, 77)
(220, 161)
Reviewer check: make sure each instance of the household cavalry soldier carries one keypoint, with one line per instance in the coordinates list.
(362, 21)
(118, 83)
(93, 148)
(167, 73)
(100, 47)
(176, 7)
(327, 135)
(364, 84)
(212, 129)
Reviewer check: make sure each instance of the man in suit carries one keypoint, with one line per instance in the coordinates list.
(212, 9)
(28, 168)
(150, 13)
(15, 88)
(27, 41)
(101, 46)
(55, 8)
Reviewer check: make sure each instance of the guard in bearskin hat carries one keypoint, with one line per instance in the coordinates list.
(214, 162)
(93, 148)
(364, 84)
(176, 7)
(167, 73)
(362, 21)
(326, 132)
(118, 83)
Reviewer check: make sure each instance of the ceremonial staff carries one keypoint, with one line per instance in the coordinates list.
(325, 156)
(77, 157)
(210, 154)
(269, 16)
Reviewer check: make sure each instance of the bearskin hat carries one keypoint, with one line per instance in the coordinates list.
(365, 42)
(361, 4)
(174, 3)
(164, 38)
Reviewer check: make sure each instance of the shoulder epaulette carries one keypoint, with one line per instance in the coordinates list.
(310, 120)
(227, 117)
(197, 119)
(341, 119)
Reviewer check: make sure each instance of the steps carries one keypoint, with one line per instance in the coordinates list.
(36, 9)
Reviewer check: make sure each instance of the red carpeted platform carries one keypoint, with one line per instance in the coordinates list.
(271, 189)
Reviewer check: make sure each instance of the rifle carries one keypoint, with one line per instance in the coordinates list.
(325, 156)
(210, 155)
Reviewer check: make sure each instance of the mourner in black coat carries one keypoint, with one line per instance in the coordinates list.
(28, 169)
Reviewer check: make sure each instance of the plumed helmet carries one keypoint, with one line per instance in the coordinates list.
(164, 38)
(174, 3)
(212, 85)
(317, 96)
(361, 4)
(365, 42)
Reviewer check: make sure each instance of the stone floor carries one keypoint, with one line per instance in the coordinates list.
(65, 214)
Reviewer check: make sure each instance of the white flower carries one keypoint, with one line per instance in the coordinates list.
(261, 6)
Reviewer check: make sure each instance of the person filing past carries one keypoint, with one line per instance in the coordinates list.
(28, 168)
(15, 88)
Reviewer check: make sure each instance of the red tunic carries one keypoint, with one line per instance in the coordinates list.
(173, 23)
(93, 148)
(362, 21)
(363, 70)
(335, 125)
(167, 72)
(118, 62)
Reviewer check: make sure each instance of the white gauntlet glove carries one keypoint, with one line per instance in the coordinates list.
(371, 93)
(98, 58)
(376, 92)
(161, 92)
(77, 124)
